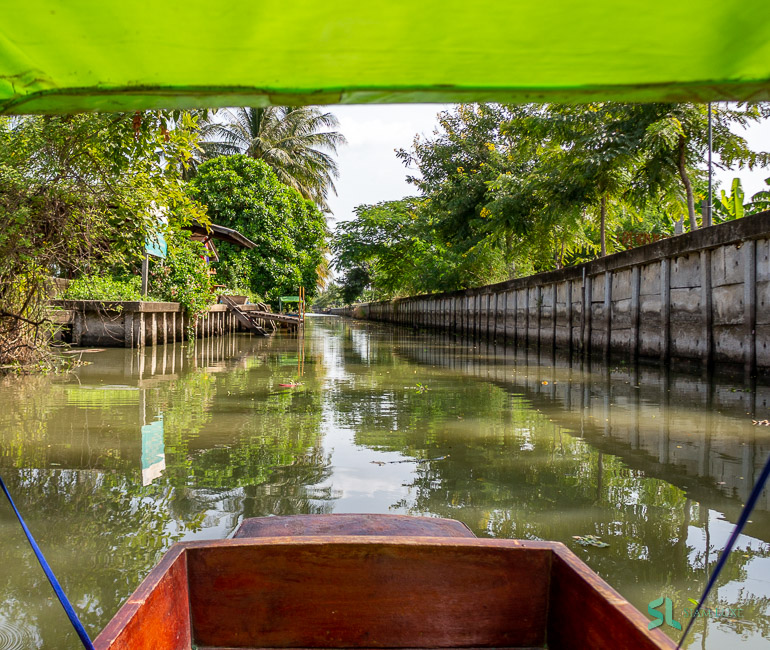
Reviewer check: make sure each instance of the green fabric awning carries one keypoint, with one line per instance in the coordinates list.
(94, 55)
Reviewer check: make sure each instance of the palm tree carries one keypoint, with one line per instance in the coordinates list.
(296, 142)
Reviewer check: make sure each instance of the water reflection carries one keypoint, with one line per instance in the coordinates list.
(153, 451)
(137, 450)
(114, 463)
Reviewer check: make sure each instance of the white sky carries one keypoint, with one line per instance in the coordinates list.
(370, 171)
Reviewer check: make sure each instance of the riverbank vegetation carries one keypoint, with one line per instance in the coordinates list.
(80, 195)
(507, 191)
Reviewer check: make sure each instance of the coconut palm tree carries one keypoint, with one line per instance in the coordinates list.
(297, 143)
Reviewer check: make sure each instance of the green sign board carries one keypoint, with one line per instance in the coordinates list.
(156, 245)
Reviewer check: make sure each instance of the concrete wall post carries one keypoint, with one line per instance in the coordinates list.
(587, 310)
(505, 317)
(607, 313)
(568, 313)
(139, 329)
(665, 309)
(554, 315)
(636, 289)
(515, 317)
(128, 329)
(750, 306)
(707, 308)
(526, 316)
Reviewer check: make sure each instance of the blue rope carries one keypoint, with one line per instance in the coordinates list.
(745, 513)
(85, 640)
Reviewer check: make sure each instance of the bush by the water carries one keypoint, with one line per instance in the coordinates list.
(182, 277)
(104, 287)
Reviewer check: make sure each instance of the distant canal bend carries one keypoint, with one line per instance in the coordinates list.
(141, 448)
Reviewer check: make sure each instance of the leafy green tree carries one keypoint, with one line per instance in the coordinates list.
(397, 248)
(594, 149)
(331, 296)
(289, 231)
(496, 182)
(676, 144)
(456, 164)
(295, 141)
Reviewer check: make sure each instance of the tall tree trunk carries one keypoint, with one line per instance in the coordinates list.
(603, 226)
(687, 185)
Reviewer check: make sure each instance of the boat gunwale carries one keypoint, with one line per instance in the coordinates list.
(620, 605)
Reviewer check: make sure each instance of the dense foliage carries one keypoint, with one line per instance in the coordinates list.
(394, 248)
(289, 231)
(183, 276)
(507, 191)
(328, 298)
(104, 287)
(78, 195)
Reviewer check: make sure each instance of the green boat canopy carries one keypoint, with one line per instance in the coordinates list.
(78, 55)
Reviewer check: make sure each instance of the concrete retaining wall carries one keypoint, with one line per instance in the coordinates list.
(701, 295)
(136, 324)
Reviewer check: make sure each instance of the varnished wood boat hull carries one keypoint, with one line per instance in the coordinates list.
(363, 591)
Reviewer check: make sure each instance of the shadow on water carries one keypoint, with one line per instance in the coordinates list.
(117, 461)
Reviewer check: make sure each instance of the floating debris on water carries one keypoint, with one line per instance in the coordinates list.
(590, 540)
(408, 460)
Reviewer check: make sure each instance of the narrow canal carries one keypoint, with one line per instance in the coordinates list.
(139, 449)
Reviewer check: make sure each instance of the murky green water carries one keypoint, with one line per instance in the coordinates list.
(116, 462)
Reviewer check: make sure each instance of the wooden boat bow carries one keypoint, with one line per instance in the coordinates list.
(364, 590)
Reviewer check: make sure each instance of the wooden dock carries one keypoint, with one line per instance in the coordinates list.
(261, 321)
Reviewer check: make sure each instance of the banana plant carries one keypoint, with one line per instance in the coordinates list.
(730, 207)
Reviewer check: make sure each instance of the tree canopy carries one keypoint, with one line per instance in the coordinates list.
(289, 231)
(393, 248)
(507, 191)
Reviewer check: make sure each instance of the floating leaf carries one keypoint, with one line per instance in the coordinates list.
(590, 540)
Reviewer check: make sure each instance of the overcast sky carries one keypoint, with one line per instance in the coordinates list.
(370, 171)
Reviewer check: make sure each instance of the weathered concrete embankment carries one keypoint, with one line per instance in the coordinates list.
(699, 296)
(136, 324)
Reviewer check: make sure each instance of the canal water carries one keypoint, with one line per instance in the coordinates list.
(136, 450)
